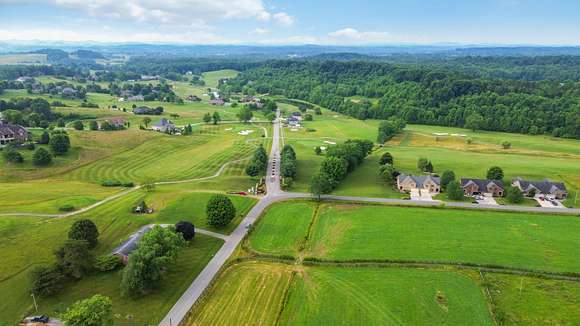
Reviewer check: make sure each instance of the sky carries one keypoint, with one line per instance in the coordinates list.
(281, 22)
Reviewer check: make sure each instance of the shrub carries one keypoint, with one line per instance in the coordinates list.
(308, 117)
(386, 158)
(514, 195)
(93, 125)
(107, 263)
(47, 280)
(74, 258)
(506, 144)
(44, 138)
(454, 190)
(59, 143)
(387, 173)
(317, 150)
(84, 230)
(187, 229)
(495, 173)
(13, 156)
(66, 208)
(78, 125)
(94, 311)
(220, 211)
(41, 157)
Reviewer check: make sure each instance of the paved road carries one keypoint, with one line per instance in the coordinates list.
(202, 281)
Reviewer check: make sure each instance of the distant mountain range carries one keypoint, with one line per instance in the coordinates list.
(95, 50)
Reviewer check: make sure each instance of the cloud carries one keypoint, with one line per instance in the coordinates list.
(260, 31)
(172, 11)
(352, 35)
(283, 19)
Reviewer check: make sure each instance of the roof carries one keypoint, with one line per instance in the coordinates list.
(481, 183)
(163, 123)
(7, 129)
(544, 186)
(132, 243)
(419, 179)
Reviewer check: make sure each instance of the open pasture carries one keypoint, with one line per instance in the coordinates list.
(267, 294)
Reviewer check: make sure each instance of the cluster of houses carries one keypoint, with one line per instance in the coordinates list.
(294, 120)
(165, 126)
(252, 101)
(475, 187)
(193, 98)
(12, 133)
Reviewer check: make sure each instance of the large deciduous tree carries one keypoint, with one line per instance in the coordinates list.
(86, 230)
(94, 311)
(220, 211)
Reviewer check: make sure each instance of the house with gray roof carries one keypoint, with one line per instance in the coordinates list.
(423, 182)
(164, 125)
(544, 187)
(12, 133)
(126, 248)
(473, 187)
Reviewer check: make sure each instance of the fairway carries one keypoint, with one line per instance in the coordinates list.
(254, 294)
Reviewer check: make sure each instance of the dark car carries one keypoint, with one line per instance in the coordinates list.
(40, 319)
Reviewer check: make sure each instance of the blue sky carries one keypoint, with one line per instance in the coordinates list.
(340, 22)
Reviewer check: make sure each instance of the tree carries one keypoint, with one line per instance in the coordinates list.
(320, 184)
(186, 229)
(59, 143)
(388, 129)
(207, 118)
(94, 311)
(514, 195)
(317, 111)
(245, 114)
(474, 121)
(495, 173)
(335, 168)
(46, 280)
(148, 262)
(86, 230)
(422, 164)
(13, 156)
(216, 118)
(78, 125)
(506, 144)
(308, 117)
(386, 158)
(60, 123)
(253, 170)
(454, 190)
(446, 177)
(220, 211)
(271, 116)
(146, 121)
(429, 167)
(74, 258)
(93, 125)
(44, 138)
(41, 157)
(317, 150)
(107, 126)
(387, 173)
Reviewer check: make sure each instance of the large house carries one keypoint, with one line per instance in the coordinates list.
(408, 182)
(217, 101)
(11, 133)
(164, 125)
(473, 187)
(544, 187)
(126, 248)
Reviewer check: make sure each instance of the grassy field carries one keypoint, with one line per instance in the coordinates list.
(366, 232)
(523, 300)
(254, 294)
(22, 58)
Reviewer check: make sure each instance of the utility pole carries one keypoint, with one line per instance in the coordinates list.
(34, 300)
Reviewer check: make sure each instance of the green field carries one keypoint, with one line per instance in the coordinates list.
(269, 294)
(367, 232)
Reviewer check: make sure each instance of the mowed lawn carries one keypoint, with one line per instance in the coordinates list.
(30, 241)
(367, 232)
(253, 294)
(521, 300)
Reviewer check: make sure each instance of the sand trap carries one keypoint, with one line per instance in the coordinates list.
(323, 148)
(228, 129)
(440, 134)
(245, 132)
(329, 142)
(293, 129)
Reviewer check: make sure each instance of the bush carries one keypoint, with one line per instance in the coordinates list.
(59, 143)
(93, 125)
(107, 263)
(84, 230)
(308, 117)
(13, 156)
(187, 229)
(117, 183)
(74, 258)
(220, 211)
(386, 158)
(506, 144)
(454, 190)
(66, 208)
(44, 138)
(514, 195)
(41, 157)
(47, 280)
(94, 311)
(78, 125)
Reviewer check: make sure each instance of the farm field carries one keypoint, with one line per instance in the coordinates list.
(267, 293)
(425, 235)
(533, 157)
